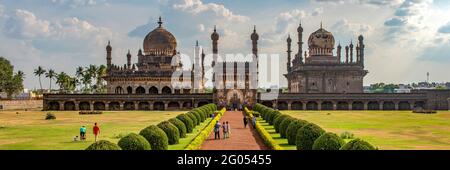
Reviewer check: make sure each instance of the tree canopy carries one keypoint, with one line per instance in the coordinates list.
(11, 83)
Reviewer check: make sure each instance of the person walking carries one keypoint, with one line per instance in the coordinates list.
(82, 133)
(217, 130)
(228, 130)
(245, 121)
(96, 131)
(225, 130)
(254, 122)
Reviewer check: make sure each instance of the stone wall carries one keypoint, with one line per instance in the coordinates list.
(20, 104)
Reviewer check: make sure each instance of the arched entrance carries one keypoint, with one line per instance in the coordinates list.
(153, 90)
(235, 99)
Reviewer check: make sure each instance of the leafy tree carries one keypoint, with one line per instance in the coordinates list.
(11, 83)
(39, 72)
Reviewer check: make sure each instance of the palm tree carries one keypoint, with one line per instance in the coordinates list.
(61, 80)
(21, 74)
(39, 72)
(86, 80)
(79, 74)
(50, 74)
(101, 72)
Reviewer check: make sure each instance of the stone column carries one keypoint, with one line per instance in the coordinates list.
(396, 105)
(275, 105)
(166, 105)
(77, 105)
(319, 105)
(350, 105)
(136, 105)
(334, 105)
(366, 105)
(304, 105)
(181, 105)
(91, 105)
(106, 105)
(289, 105)
(448, 103)
(151, 105)
(61, 106)
(121, 105)
(381, 105)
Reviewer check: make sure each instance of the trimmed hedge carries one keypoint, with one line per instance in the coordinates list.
(197, 116)
(277, 122)
(180, 126)
(193, 118)
(203, 135)
(358, 144)
(284, 125)
(134, 142)
(171, 131)
(272, 116)
(156, 137)
(291, 131)
(187, 121)
(328, 141)
(307, 135)
(265, 136)
(103, 145)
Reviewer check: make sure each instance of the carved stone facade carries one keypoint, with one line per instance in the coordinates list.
(323, 72)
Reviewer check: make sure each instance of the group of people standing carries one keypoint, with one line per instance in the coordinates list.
(245, 119)
(226, 129)
(95, 130)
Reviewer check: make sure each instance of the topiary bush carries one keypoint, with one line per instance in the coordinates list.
(197, 116)
(156, 137)
(171, 131)
(328, 141)
(180, 126)
(50, 116)
(277, 121)
(193, 118)
(134, 142)
(272, 116)
(103, 145)
(347, 135)
(291, 131)
(358, 144)
(187, 121)
(284, 125)
(307, 135)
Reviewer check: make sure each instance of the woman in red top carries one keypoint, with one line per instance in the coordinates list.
(96, 131)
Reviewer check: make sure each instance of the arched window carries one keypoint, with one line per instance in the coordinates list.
(166, 90)
(153, 90)
(140, 90)
(119, 90)
(129, 90)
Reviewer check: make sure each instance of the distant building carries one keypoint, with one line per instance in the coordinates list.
(402, 89)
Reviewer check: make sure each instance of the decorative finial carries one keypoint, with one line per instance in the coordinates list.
(254, 28)
(214, 28)
(129, 52)
(196, 43)
(160, 22)
(321, 25)
(109, 42)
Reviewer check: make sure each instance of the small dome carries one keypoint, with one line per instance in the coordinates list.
(160, 42)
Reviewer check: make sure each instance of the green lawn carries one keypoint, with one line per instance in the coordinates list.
(391, 130)
(276, 136)
(29, 131)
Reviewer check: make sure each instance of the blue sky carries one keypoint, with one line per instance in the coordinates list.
(404, 38)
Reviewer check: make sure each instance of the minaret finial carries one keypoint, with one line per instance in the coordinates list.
(214, 28)
(196, 43)
(254, 28)
(109, 42)
(160, 22)
(321, 25)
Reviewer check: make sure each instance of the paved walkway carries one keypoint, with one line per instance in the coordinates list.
(240, 139)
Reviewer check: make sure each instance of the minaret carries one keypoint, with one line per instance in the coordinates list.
(289, 51)
(203, 71)
(351, 51)
(289, 40)
(300, 43)
(358, 59)
(361, 49)
(160, 22)
(255, 37)
(215, 38)
(197, 68)
(108, 55)
(346, 54)
(339, 52)
(129, 60)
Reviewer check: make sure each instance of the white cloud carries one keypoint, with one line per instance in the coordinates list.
(201, 27)
(197, 6)
(445, 29)
(77, 3)
(25, 25)
(364, 2)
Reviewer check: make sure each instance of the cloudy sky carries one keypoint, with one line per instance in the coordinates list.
(404, 38)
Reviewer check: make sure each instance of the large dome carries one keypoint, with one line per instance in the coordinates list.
(160, 42)
(321, 39)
